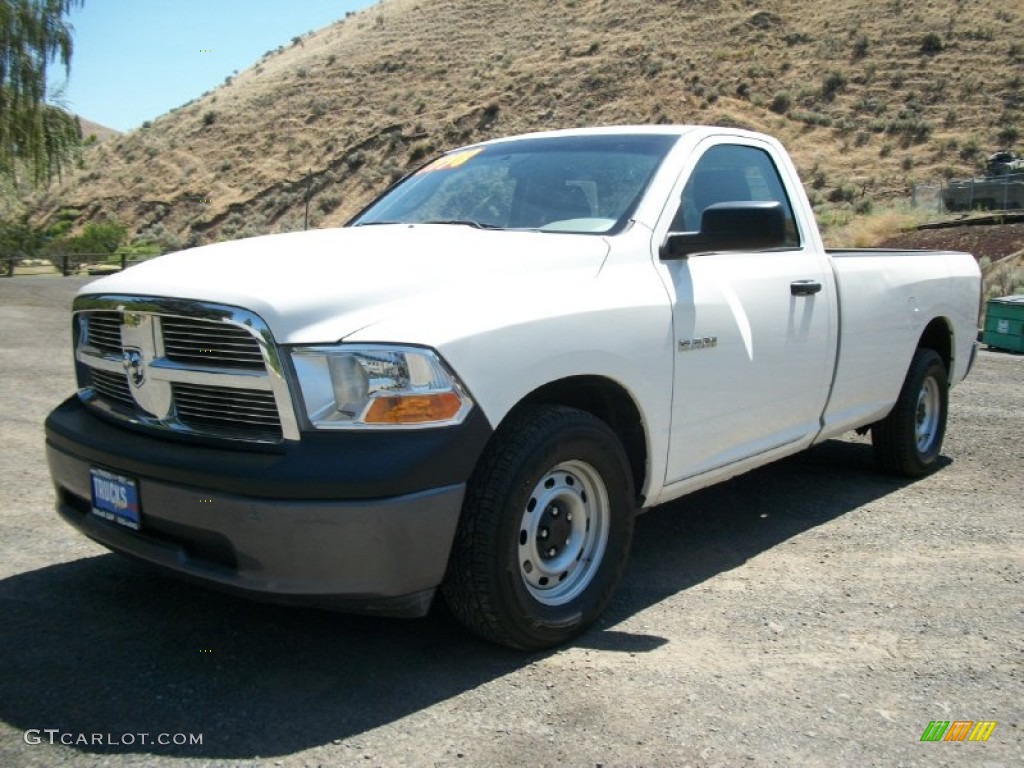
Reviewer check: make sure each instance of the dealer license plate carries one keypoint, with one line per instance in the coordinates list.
(115, 497)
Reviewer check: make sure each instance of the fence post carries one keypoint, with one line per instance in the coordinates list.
(124, 260)
(309, 185)
(64, 264)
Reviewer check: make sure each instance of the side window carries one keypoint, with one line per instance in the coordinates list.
(733, 173)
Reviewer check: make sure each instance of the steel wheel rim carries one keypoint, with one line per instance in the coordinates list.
(563, 533)
(926, 418)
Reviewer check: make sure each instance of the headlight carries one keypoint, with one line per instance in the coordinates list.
(355, 385)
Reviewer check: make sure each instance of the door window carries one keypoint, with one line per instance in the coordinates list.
(733, 173)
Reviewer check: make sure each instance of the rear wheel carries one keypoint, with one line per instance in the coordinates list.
(545, 531)
(908, 441)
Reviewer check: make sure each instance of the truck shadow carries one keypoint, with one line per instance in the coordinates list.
(104, 646)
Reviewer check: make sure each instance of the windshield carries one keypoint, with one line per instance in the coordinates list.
(584, 184)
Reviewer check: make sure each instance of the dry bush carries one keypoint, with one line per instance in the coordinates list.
(1004, 277)
(869, 230)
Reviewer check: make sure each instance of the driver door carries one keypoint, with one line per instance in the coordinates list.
(753, 346)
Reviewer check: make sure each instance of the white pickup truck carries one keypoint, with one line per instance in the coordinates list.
(477, 383)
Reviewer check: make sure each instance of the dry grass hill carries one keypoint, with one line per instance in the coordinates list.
(100, 132)
(869, 95)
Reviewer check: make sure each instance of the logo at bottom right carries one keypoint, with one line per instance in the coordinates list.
(958, 730)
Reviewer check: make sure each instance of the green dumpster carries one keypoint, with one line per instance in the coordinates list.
(1004, 323)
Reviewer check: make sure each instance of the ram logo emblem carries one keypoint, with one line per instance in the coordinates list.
(134, 366)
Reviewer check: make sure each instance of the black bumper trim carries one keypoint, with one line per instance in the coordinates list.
(323, 465)
(382, 556)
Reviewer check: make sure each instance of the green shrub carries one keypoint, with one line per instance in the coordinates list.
(1008, 135)
(419, 151)
(844, 193)
(831, 84)
(931, 44)
(970, 149)
(810, 118)
(328, 203)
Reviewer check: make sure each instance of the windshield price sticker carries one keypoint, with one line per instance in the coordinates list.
(447, 162)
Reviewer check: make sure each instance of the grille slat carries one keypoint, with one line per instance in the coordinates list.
(104, 331)
(198, 344)
(220, 409)
(207, 361)
(226, 408)
(112, 386)
(210, 343)
(242, 399)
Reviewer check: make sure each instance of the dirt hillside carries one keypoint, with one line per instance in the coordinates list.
(870, 97)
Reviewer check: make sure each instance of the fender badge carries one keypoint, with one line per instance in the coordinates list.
(689, 345)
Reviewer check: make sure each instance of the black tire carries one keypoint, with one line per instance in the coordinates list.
(908, 441)
(545, 464)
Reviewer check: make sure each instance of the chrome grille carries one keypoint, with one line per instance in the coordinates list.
(181, 366)
(112, 386)
(103, 331)
(227, 409)
(201, 342)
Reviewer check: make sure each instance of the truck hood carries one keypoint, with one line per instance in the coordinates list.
(323, 285)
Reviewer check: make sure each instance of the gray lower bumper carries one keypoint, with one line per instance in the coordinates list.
(381, 556)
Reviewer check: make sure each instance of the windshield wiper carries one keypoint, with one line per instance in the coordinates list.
(464, 222)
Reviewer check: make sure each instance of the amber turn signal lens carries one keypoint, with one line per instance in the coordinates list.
(413, 409)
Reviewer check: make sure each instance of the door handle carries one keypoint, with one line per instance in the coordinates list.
(804, 287)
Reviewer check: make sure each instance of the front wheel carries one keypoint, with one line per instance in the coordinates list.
(546, 529)
(907, 441)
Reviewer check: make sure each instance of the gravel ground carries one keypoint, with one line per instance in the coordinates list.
(810, 613)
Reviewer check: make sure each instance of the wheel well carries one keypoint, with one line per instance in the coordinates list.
(939, 337)
(609, 402)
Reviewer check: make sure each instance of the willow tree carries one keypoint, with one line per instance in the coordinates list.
(34, 135)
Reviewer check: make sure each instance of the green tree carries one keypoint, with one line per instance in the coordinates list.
(19, 239)
(40, 136)
(96, 243)
(98, 237)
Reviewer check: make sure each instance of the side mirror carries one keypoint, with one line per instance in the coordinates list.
(734, 226)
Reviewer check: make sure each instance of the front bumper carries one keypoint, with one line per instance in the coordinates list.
(354, 549)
